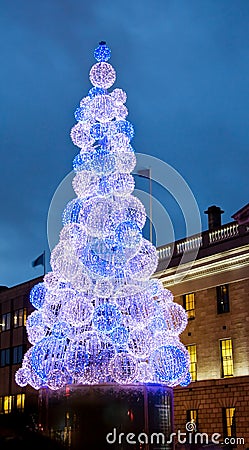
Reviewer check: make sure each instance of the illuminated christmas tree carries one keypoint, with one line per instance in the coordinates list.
(99, 315)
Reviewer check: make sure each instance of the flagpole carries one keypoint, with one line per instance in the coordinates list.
(150, 191)
(44, 263)
(147, 174)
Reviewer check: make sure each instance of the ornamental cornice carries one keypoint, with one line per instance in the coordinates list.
(222, 262)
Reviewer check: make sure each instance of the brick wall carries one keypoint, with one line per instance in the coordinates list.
(209, 397)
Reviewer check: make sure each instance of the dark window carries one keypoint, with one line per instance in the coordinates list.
(17, 354)
(229, 422)
(5, 357)
(189, 305)
(222, 299)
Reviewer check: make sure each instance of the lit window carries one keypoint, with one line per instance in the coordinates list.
(15, 319)
(24, 317)
(192, 417)
(20, 399)
(226, 358)
(5, 322)
(7, 404)
(189, 305)
(20, 317)
(229, 423)
(222, 299)
(193, 361)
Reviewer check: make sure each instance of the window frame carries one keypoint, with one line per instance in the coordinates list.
(226, 358)
(5, 322)
(17, 354)
(19, 317)
(5, 357)
(189, 305)
(192, 362)
(192, 417)
(20, 402)
(222, 299)
(229, 429)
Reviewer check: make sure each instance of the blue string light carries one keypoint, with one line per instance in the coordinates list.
(102, 52)
(37, 295)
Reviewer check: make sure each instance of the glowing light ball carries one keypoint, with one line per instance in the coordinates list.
(46, 351)
(22, 377)
(84, 183)
(71, 213)
(102, 75)
(128, 234)
(96, 91)
(145, 262)
(36, 329)
(134, 211)
(79, 310)
(102, 52)
(175, 317)
(51, 280)
(125, 127)
(65, 262)
(123, 184)
(121, 112)
(79, 137)
(74, 235)
(37, 295)
(125, 161)
(123, 368)
(82, 161)
(119, 96)
(169, 364)
(144, 374)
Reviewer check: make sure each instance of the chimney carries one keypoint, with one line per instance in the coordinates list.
(214, 217)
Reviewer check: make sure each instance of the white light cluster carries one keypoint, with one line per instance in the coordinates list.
(99, 317)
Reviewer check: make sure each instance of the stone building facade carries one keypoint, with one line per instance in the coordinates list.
(214, 290)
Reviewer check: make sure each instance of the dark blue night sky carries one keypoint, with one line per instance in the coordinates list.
(185, 68)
